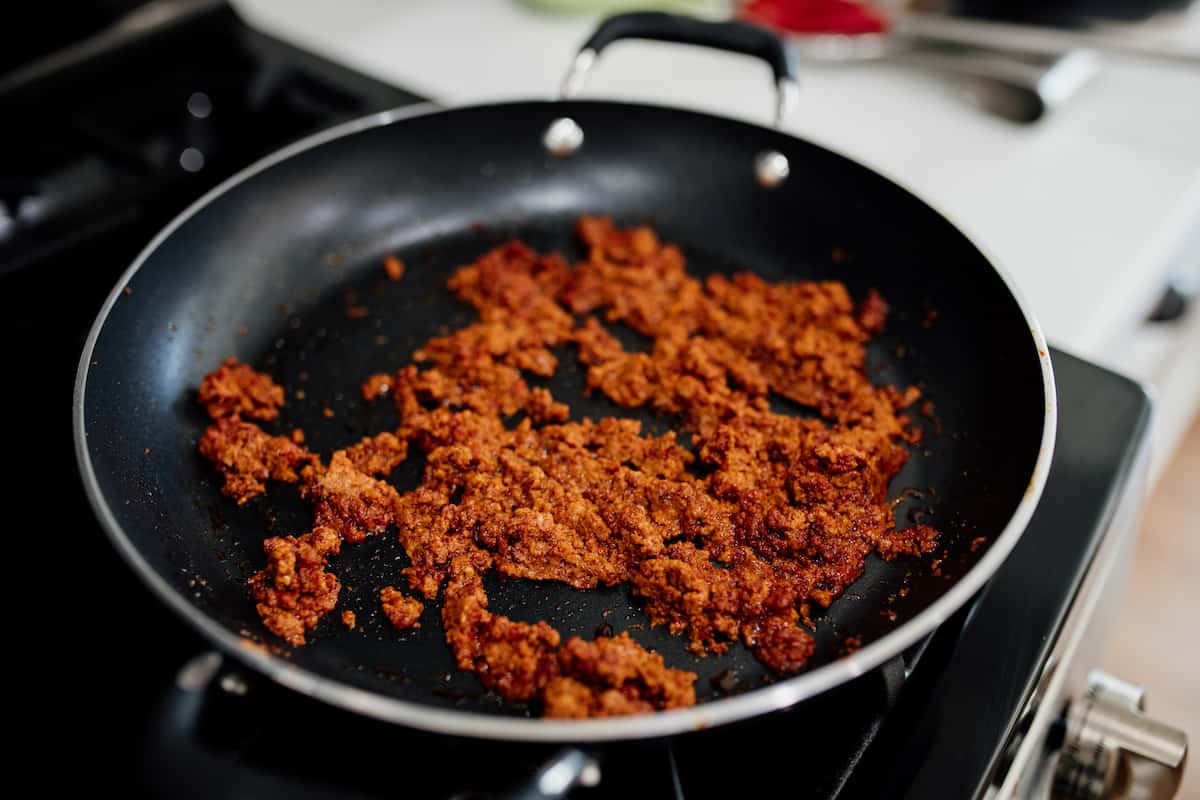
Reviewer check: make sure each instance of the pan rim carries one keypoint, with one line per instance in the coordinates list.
(783, 694)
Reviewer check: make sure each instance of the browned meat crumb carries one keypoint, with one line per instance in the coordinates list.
(376, 386)
(513, 659)
(514, 281)
(506, 339)
(393, 267)
(872, 312)
(349, 501)
(542, 407)
(235, 388)
(294, 591)
(378, 455)
(349, 619)
(404, 612)
(778, 643)
(596, 345)
(611, 676)
(914, 541)
(248, 457)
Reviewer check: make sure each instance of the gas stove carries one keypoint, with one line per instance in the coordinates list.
(999, 702)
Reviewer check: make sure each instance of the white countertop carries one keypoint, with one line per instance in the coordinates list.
(1087, 209)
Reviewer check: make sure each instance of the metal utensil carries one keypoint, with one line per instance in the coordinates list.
(1016, 85)
(1021, 89)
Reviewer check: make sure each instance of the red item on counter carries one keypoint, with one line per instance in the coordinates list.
(816, 16)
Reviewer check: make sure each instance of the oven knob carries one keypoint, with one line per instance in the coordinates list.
(1113, 751)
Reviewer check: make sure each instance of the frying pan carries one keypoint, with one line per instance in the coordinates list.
(265, 266)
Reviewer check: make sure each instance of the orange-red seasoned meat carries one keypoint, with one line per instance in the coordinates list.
(730, 527)
(236, 388)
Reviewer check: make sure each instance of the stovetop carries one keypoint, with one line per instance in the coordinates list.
(96, 690)
(932, 724)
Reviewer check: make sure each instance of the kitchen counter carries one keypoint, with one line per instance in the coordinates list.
(1091, 209)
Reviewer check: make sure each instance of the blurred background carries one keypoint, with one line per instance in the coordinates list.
(1063, 135)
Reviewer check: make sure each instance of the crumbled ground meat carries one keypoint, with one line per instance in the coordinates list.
(378, 455)
(235, 388)
(393, 267)
(872, 312)
(348, 500)
(514, 659)
(514, 282)
(376, 386)
(248, 457)
(542, 407)
(402, 611)
(294, 591)
(614, 675)
(349, 619)
(731, 538)
(915, 541)
(777, 642)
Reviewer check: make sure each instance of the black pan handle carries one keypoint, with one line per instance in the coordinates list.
(564, 136)
(736, 37)
(730, 35)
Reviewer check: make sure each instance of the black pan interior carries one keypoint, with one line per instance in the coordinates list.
(266, 271)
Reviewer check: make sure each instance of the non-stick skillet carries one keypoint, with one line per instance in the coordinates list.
(265, 266)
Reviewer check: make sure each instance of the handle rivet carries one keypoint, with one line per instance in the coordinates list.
(563, 137)
(771, 168)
